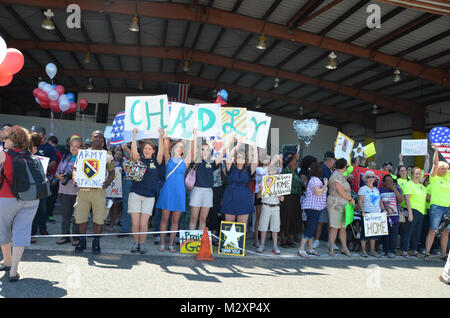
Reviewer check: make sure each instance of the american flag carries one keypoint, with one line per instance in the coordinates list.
(177, 92)
(440, 137)
(118, 127)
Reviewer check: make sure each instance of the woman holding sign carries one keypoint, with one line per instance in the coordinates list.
(415, 196)
(142, 195)
(202, 194)
(370, 202)
(172, 198)
(237, 198)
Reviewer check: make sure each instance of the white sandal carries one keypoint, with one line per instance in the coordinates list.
(172, 249)
(162, 248)
(302, 254)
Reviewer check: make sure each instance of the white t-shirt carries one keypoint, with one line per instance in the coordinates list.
(371, 203)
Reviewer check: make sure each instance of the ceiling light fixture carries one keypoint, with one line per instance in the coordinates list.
(48, 22)
(186, 66)
(301, 111)
(374, 109)
(90, 85)
(258, 103)
(332, 63)
(262, 42)
(87, 58)
(134, 26)
(397, 77)
(276, 82)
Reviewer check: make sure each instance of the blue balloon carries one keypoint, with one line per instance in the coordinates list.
(71, 96)
(224, 94)
(51, 70)
(54, 85)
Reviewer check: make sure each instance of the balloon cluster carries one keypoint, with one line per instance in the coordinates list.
(11, 62)
(55, 97)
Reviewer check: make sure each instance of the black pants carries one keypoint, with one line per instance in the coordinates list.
(40, 218)
(52, 199)
(67, 202)
(212, 222)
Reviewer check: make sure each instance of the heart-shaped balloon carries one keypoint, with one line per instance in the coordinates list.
(306, 129)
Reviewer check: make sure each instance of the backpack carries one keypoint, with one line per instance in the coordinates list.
(29, 180)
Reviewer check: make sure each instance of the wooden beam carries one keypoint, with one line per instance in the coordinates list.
(440, 7)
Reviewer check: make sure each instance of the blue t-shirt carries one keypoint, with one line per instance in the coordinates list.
(205, 175)
(47, 150)
(326, 172)
(148, 185)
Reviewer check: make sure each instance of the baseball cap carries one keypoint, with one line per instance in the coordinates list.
(38, 129)
(387, 163)
(329, 154)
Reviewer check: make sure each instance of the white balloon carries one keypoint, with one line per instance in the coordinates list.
(53, 95)
(64, 106)
(63, 99)
(42, 85)
(51, 70)
(306, 129)
(3, 49)
(47, 88)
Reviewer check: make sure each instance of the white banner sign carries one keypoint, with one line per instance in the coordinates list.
(44, 162)
(91, 168)
(115, 188)
(375, 224)
(183, 120)
(343, 147)
(275, 185)
(257, 128)
(414, 147)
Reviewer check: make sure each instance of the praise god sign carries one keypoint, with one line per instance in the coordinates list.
(375, 224)
(191, 240)
(91, 168)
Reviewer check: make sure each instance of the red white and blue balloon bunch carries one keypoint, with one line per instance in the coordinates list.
(54, 96)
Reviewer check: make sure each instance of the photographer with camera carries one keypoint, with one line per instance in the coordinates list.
(67, 190)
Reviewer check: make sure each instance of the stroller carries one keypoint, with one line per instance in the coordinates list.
(353, 231)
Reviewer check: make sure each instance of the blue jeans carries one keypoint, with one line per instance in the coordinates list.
(436, 215)
(312, 219)
(126, 218)
(411, 235)
(390, 241)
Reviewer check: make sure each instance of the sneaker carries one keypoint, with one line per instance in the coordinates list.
(96, 245)
(51, 219)
(260, 248)
(384, 254)
(363, 254)
(391, 255)
(134, 248)
(315, 244)
(81, 246)
(276, 250)
(374, 254)
(157, 240)
(143, 250)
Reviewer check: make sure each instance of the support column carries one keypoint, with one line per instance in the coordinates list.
(418, 132)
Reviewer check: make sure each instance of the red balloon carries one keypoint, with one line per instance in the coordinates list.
(83, 103)
(42, 96)
(5, 80)
(60, 89)
(12, 63)
(54, 105)
(35, 91)
(44, 105)
(72, 108)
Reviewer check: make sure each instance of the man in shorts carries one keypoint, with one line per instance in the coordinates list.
(93, 198)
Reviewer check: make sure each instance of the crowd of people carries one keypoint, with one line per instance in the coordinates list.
(225, 189)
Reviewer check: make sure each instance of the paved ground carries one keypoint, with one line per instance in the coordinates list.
(51, 270)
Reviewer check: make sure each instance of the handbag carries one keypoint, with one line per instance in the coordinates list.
(134, 170)
(189, 181)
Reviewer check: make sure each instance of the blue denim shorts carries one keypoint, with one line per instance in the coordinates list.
(323, 216)
(436, 213)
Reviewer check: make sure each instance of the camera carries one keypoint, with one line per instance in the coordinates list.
(445, 222)
(67, 178)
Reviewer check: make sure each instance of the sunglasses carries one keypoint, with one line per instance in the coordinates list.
(370, 177)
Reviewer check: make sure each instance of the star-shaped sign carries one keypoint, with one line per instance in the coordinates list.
(232, 236)
(359, 151)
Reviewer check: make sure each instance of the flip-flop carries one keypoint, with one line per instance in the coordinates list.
(161, 248)
(172, 249)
